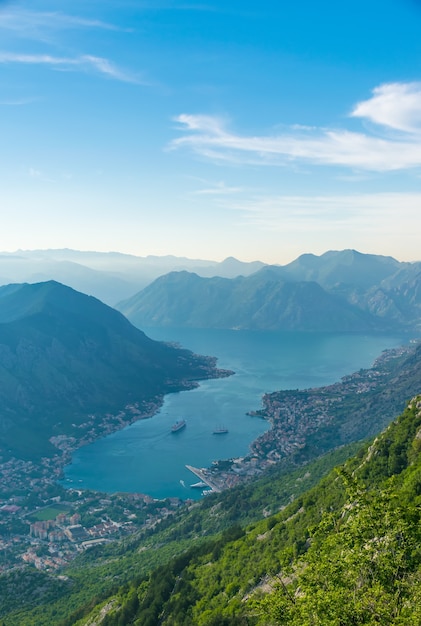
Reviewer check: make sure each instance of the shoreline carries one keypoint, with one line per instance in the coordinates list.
(291, 426)
(112, 423)
(50, 469)
(281, 441)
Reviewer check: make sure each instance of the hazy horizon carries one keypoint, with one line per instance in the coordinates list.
(201, 259)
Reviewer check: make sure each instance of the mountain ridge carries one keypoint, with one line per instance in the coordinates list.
(338, 291)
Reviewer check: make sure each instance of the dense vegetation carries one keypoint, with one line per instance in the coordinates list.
(101, 570)
(346, 552)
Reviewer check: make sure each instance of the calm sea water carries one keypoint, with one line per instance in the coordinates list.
(146, 457)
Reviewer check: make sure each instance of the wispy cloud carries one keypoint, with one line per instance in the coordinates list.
(34, 173)
(219, 189)
(394, 106)
(84, 62)
(316, 213)
(38, 24)
(18, 101)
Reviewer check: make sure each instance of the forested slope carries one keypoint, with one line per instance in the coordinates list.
(345, 552)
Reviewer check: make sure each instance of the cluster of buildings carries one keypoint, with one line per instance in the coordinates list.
(54, 529)
(294, 416)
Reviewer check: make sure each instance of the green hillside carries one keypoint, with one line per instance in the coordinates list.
(312, 547)
(346, 552)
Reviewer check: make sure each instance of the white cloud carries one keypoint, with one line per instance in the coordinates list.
(209, 137)
(395, 105)
(84, 62)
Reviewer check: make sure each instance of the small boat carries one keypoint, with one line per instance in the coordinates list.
(198, 485)
(179, 425)
(220, 430)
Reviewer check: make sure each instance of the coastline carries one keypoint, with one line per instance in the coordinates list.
(133, 412)
(299, 421)
(50, 469)
(306, 423)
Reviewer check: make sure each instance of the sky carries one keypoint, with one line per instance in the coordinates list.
(209, 129)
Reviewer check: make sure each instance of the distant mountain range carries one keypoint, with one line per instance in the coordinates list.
(338, 291)
(109, 276)
(65, 355)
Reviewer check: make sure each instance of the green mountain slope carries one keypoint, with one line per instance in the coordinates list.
(108, 573)
(64, 356)
(346, 552)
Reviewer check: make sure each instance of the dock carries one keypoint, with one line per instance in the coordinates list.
(200, 473)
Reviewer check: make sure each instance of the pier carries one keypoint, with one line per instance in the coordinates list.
(200, 473)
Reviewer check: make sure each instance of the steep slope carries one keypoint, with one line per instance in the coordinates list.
(380, 285)
(346, 552)
(338, 291)
(96, 574)
(397, 298)
(64, 355)
(259, 302)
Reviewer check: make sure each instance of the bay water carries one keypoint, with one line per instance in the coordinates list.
(146, 457)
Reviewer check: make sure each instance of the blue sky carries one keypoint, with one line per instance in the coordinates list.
(208, 129)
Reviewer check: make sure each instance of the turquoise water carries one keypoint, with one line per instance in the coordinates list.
(146, 457)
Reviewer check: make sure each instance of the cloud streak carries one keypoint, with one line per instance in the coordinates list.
(36, 24)
(84, 62)
(395, 106)
(361, 212)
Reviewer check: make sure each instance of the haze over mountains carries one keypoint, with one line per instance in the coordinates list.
(109, 276)
(338, 291)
